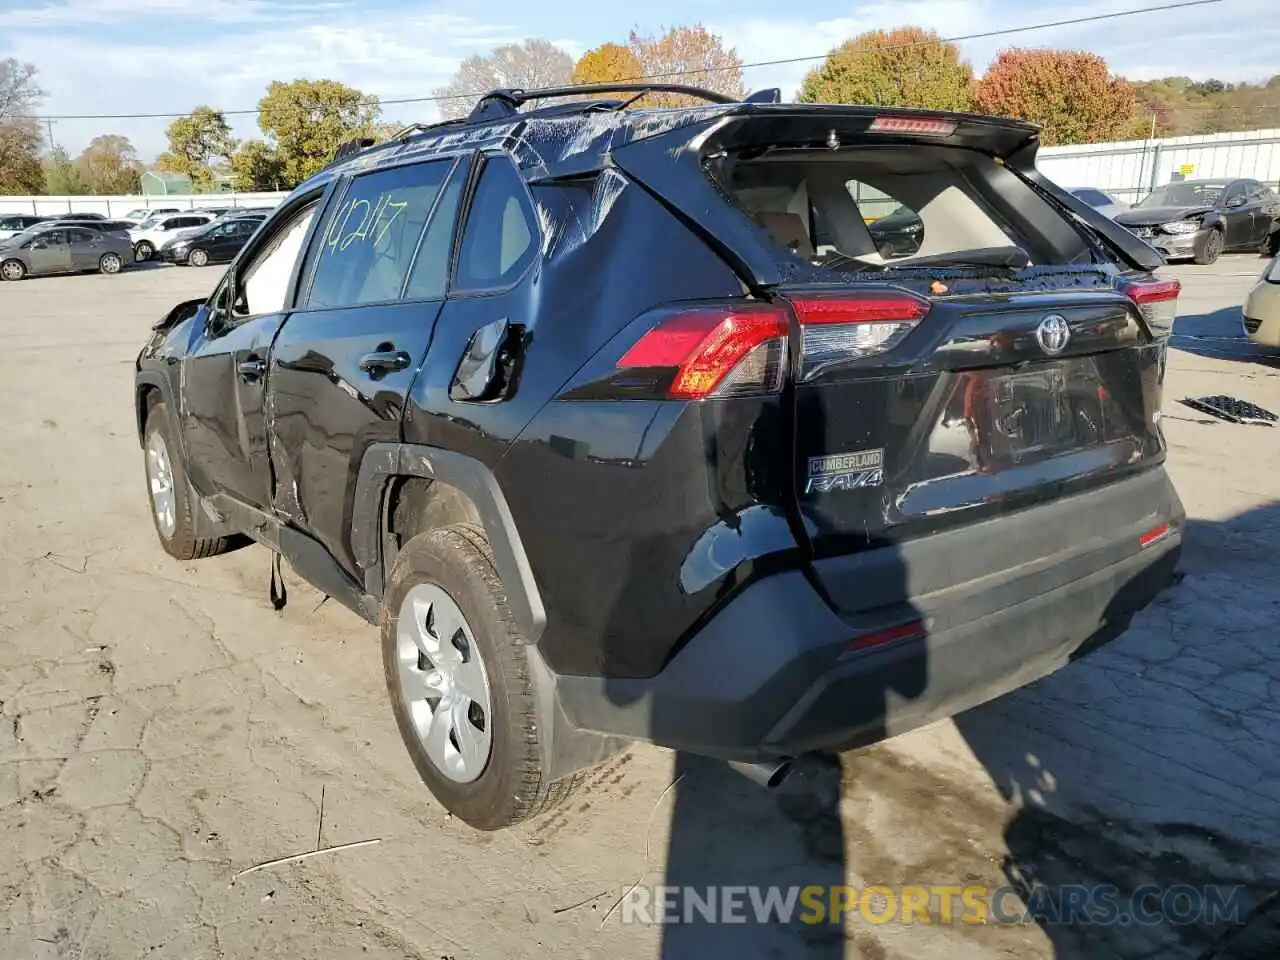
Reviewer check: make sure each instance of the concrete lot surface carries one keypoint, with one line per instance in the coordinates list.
(163, 729)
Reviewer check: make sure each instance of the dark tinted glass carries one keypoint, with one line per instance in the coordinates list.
(499, 240)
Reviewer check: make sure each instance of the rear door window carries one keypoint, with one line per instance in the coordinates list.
(499, 240)
(367, 248)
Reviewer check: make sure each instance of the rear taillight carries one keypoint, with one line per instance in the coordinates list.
(716, 351)
(736, 350)
(1157, 301)
(836, 329)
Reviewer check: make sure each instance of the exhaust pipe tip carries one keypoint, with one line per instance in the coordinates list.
(767, 774)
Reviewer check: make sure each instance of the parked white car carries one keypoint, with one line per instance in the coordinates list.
(1104, 203)
(151, 234)
(138, 214)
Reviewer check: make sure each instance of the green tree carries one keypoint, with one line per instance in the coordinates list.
(62, 179)
(109, 165)
(906, 67)
(1071, 94)
(256, 166)
(20, 168)
(198, 143)
(307, 120)
(607, 63)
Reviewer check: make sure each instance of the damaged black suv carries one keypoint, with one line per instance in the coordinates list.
(621, 424)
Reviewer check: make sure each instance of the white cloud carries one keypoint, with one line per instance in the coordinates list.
(59, 14)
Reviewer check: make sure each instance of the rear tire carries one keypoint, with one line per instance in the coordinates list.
(1209, 251)
(451, 570)
(169, 494)
(110, 263)
(13, 270)
(143, 251)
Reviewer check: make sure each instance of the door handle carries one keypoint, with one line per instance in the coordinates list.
(252, 369)
(385, 361)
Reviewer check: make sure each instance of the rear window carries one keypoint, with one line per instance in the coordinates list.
(865, 209)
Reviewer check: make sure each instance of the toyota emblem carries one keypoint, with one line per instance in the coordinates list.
(1053, 334)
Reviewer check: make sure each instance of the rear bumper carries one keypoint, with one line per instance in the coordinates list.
(771, 674)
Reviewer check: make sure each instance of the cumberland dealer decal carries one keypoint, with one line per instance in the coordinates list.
(846, 471)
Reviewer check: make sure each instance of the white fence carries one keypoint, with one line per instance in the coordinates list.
(119, 206)
(1128, 170)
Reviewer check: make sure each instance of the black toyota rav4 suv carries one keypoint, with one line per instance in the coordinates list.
(619, 426)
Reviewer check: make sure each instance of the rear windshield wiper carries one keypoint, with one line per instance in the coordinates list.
(1014, 258)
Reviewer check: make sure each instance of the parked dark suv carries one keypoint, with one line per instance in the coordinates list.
(568, 402)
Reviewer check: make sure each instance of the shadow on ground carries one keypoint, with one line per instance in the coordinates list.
(1219, 334)
(1156, 760)
(1153, 761)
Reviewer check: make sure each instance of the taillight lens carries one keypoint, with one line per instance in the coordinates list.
(836, 329)
(716, 351)
(1157, 301)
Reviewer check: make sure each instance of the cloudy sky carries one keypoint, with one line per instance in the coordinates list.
(156, 56)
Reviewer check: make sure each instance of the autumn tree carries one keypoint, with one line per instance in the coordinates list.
(109, 165)
(61, 177)
(307, 120)
(20, 168)
(534, 63)
(198, 142)
(691, 55)
(607, 63)
(906, 67)
(1071, 94)
(257, 166)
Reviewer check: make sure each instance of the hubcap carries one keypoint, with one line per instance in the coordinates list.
(443, 683)
(110, 263)
(12, 271)
(160, 481)
(198, 258)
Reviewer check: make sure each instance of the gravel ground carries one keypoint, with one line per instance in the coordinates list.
(162, 729)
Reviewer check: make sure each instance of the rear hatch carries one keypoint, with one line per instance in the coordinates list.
(964, 340)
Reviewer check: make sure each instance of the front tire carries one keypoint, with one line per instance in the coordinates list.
(143, 251)
(198, 258)
(459, 681)
(13, 270)
(110, 263)
(169, 494)
(1210, 249)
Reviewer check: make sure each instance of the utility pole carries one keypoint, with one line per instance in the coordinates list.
(49, 126)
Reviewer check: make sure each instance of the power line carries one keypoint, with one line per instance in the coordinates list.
(985, 35)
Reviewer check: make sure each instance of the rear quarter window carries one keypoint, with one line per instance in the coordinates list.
(499, 240)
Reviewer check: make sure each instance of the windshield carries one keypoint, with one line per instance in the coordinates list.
(1187, 194)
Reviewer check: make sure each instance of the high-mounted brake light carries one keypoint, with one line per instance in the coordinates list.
(716, 351)
(841, 328)
(1157, 301)
(900, 124)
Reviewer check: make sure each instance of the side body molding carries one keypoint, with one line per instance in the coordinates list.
(383, 461)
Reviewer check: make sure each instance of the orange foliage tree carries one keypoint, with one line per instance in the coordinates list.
(1071, 94)
(691, 55)
(607, 63)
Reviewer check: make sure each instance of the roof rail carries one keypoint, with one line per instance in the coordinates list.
(498, 104)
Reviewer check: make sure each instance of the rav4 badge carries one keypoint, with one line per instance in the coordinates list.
(846, 471)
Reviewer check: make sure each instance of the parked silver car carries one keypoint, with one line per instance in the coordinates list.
(63, 249)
